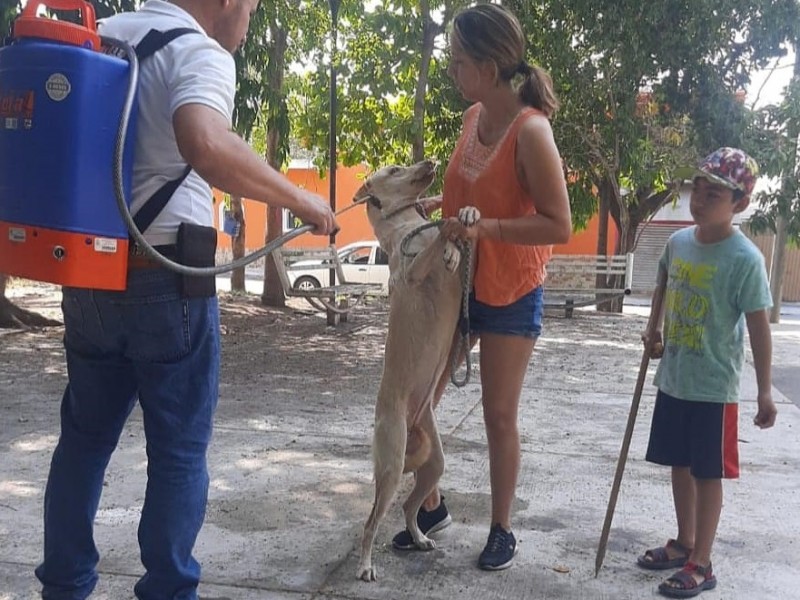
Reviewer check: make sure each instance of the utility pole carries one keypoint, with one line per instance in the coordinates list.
(333, 318)
(334, 6)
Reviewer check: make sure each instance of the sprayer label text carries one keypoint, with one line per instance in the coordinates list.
(16, 105)
(57, 87)
(105, 245)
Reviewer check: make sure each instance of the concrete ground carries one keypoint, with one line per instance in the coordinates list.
(291, 472)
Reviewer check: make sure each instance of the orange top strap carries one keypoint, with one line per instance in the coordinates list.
(486, 177)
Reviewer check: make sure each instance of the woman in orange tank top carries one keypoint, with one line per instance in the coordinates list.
(507, 165)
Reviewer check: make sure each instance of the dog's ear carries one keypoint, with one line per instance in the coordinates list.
(362, 194)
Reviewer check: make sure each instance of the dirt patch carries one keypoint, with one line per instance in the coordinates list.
(291, 342)
(282, 368)
(265, 348)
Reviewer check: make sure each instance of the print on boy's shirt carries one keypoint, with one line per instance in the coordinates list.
(687, 304)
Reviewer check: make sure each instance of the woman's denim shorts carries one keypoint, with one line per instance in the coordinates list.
(523, 317)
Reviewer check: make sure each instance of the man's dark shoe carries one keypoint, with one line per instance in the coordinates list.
(428, 521)
(499, 551)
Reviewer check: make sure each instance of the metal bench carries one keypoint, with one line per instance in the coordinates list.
(572, 280)
(336, 299)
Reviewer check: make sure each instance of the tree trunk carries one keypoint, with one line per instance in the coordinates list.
(430, 30)
(777, 269)
(272, 294)
(610, 204)
(627, 243)
(602, 236)
(13, 317)
(602, 227)
(237, 244)
(627, 218)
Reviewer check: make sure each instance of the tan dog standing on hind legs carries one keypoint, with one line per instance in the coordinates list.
(425, 297)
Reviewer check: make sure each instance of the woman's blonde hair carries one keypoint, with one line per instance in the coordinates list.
(490, 32)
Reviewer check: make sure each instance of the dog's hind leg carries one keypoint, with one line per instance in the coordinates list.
(388, 449)
(426, 478)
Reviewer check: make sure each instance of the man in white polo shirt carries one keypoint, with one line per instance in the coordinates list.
(158, 341)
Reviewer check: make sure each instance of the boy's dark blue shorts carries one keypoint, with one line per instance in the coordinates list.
(700, 435)
(522, 317)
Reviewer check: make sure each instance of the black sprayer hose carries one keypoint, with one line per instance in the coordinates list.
(119, 190)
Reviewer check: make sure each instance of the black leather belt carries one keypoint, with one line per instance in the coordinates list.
(137, 259)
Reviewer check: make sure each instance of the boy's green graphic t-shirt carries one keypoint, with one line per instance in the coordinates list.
(710, 287)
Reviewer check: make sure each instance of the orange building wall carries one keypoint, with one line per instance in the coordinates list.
(354, 224)
(585, 242)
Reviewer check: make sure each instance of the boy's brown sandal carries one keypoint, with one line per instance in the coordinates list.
(687, 586)
(658, 559)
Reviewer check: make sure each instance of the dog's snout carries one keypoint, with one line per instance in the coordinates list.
(424, 170)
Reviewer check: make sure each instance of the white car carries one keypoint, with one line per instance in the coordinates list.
(362, 262)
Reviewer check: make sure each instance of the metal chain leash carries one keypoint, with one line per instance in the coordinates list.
(463, 319)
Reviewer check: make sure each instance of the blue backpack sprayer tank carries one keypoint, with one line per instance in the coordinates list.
(67, 127)
(60, 103)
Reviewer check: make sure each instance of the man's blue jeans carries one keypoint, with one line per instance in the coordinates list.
(146, 343)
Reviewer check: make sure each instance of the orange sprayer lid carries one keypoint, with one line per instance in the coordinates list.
(29, 25)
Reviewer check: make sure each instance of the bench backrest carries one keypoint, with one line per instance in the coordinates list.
(287, 257)
(581, 270)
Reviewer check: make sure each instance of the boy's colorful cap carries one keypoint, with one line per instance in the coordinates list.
(730, 167)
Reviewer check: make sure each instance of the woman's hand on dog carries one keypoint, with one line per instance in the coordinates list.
(454, 231)
(430, 204)
(468, 226)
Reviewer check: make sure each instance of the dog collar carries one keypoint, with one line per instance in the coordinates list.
(401, 209)
(376, 202)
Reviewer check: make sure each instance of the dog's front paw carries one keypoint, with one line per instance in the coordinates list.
(469, 216)
(425, 543)
(367, 573)
(452, 257)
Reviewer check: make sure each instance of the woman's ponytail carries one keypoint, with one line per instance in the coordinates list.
(536, 90)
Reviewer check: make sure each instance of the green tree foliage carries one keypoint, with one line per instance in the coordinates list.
(384, 73)
(689, 58)
(646, 86)
(8, 10)
(774, 138)
(106, 8)
(284, 37)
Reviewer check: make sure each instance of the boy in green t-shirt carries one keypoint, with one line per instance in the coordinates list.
(712, 280)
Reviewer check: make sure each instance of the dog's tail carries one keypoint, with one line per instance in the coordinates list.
(418, 450)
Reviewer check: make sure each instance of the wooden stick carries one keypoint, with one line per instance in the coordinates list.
(623, 458)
